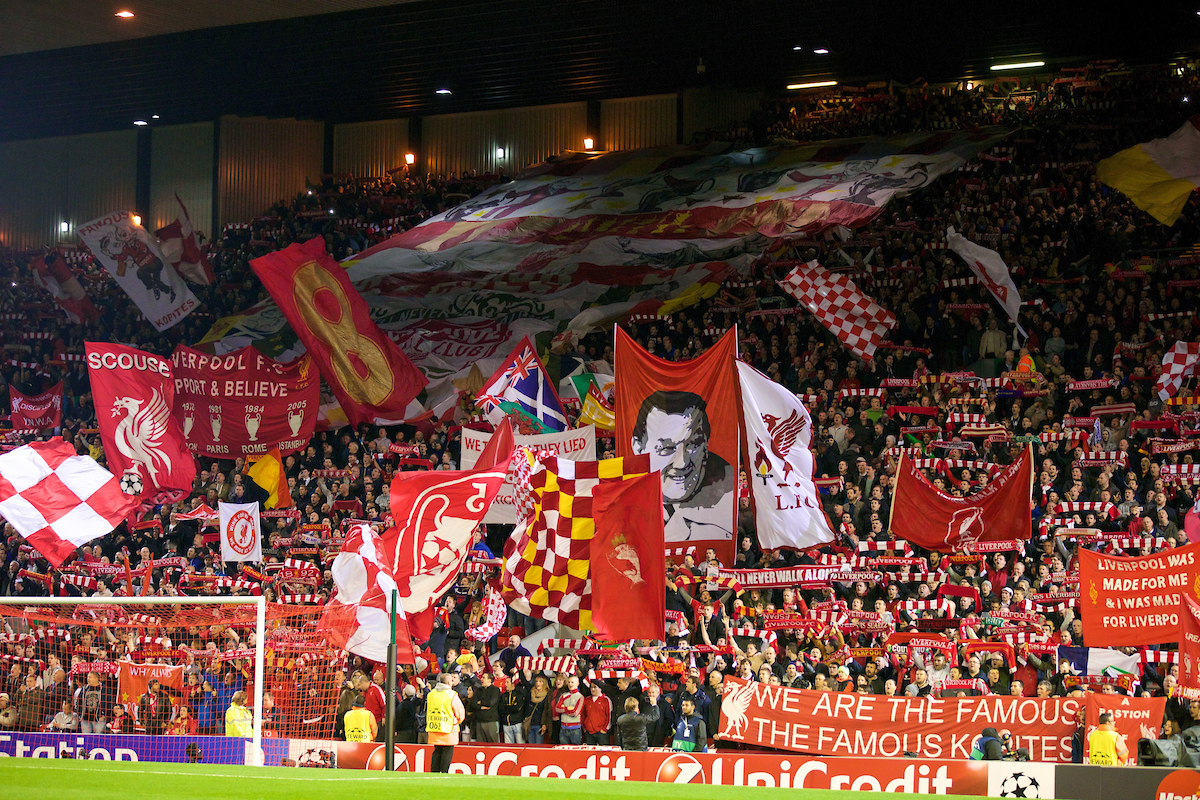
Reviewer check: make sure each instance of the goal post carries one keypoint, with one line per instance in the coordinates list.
(83, 614)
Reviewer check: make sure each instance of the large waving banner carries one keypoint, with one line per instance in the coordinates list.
(935, 520)
(576, 445)
(787, 509)
(436, 514)
(243, 403)
(133, 393)
(132, 257)
(590, 239)
(372, 379)
(1127, 601)
(36, 412)
(873, 726)
(684, 415)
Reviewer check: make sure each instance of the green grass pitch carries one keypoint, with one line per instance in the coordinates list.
(37, 779)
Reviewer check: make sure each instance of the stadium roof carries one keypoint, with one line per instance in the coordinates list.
(71, 66)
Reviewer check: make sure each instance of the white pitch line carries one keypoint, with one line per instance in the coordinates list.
(303, 774)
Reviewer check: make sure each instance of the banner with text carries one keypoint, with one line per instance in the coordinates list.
(243, 403)
(576, 445)
(132, 257)
(36, 412)
(1136, 600)
(872, 726)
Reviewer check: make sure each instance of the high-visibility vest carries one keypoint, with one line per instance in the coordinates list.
(439, 712)
(358, 725)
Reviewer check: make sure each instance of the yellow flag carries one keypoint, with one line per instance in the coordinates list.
(267, 471)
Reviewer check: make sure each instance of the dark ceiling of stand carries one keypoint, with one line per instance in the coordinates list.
(382, 62)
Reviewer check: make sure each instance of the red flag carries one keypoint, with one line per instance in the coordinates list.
(53, 274)
(133, 393)
(436, 515)
(358, 616)
(684, 415)
(372, 379)
(499, 448)
(36, 412)
(1191, 521)
(1127, 601)
(1189, 645)
(628, 559)
(178, 243)
(931, 519)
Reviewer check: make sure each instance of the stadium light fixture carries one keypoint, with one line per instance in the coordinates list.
(812, 85)
(137, 219)
(1018, 65)
(410, 159)
(798, 47)
(63, 227)
(124, 14)
(443, 91)
(499, 152)
(821, 51)
(140, 123)
(154, 116)
(589, 143)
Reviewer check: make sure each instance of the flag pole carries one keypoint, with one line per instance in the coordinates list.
(389, 713)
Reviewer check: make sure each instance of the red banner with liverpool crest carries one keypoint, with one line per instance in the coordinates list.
(133, 393)
(36, 412)
(932, 519)
(244, 403)
(372, 379)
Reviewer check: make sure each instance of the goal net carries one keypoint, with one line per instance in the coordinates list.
(200, 679)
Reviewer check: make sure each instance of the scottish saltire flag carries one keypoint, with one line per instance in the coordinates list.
(522, 387)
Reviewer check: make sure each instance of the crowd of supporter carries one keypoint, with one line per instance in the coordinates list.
(1106, 291)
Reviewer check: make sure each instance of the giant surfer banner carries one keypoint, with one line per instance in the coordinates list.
(243, 403)
(132, 257)
(133, 393)
(684, 416)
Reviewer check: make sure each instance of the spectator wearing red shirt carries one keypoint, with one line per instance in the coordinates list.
(375, 700)
(597, 716)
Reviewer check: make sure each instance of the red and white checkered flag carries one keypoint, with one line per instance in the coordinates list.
(59, 500)
(357, 617)
(855, 319)
(1178, 363)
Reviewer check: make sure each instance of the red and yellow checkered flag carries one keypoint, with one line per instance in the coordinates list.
(547, 569)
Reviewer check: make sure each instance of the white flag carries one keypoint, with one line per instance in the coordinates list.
(991, 271)
(240, 532)
(133, 258)
(778, 429)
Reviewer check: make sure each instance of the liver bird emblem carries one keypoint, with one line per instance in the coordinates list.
(139, 435)
(783, 435)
